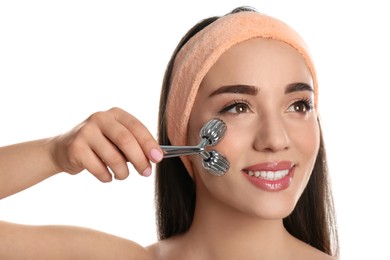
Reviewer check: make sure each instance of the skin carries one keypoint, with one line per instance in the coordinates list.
(269, 127)
(104, 140)
(232, 217)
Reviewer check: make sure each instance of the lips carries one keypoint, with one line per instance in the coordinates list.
(271, 176)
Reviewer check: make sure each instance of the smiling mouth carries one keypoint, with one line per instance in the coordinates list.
(268, 175)
(271, 176)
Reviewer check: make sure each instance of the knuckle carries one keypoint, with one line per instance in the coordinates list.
(115, 110)
(96, 117)
(140, 164)
(123, 139)
(133, 124)
(84, 131)
(114, 160)
(150, 142)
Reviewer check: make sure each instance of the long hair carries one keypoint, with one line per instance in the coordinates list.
(312, 220)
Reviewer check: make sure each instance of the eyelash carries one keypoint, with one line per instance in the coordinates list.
(306, 102)
(234, 104)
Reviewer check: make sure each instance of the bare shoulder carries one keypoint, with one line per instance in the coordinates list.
(168, 249)
(159, 250)
(174, 248)
(65, 242)
(305, 251)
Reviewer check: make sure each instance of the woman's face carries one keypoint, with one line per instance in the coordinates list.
(263, 90)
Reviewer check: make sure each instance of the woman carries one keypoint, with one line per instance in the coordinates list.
(253, 72)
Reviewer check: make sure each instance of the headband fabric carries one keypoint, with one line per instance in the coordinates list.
(202, 51)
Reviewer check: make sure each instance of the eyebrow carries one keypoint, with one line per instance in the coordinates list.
(298, 86)
(236, 89)
(252, 90)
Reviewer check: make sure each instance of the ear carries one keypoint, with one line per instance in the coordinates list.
(189, 164)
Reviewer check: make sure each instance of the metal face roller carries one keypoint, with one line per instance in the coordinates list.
(216, 164)
(211, 133)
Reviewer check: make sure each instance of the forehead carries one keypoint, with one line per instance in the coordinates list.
(257, 60)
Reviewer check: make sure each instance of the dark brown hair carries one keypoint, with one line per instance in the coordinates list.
(312, 220)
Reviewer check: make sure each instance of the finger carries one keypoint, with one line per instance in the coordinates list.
(90, 149)
(119, 136)
(105, 124)
(77, 155)
(143, 136)
(93, 164)
(130, 148)
(111, 157)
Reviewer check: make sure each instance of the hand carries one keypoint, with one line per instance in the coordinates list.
(107, 141)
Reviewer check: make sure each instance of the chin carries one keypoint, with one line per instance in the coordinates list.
(273, 209)
(266, 207)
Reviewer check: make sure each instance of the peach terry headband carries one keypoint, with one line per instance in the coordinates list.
(201, 52)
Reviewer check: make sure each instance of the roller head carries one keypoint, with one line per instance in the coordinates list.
(213, 131)
(216, 164)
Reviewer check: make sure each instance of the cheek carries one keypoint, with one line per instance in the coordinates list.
(306, 142)
(235, 145)
(306, 139)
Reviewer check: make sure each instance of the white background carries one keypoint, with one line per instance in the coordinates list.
(60, 61)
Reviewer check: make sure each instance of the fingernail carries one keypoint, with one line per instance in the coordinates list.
(147, 172)
(156, 155)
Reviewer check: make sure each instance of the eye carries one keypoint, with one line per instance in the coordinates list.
(238, 107)
(301, 106)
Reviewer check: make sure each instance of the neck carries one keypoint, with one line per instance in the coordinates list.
(223, 232)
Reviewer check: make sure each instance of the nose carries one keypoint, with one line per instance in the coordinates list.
(272, 134)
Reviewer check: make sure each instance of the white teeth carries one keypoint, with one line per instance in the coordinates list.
(269, 175)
